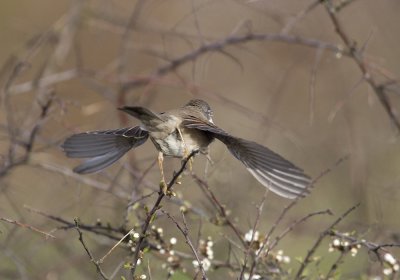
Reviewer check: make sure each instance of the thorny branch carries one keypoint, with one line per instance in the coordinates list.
(284, 212)
(92, 259)
(371, 246)
(105, 231)
(249, 247)
(219, 45)
(47, 235)
(322, 235)
(28, 145)
(24, 134)
(219, 207)
(357, 55)
(152, 212)
(51, 74)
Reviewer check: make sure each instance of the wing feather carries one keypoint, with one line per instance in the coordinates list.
(270, 169)
(102, 147)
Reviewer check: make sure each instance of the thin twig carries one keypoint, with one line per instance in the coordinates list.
(293, 225)
(96, 263)
(79, 178)
(249, 247)
(47, 235)
(30, 141)
(371, 246)
(335, 266)
(218, 206)
(44, 81)
(339, 105)
(97, 229)
(185, 232)
(313, 79)
(293, 21)
(115, 246)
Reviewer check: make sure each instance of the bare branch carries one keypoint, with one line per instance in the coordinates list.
(322, 235)
(47, 235)
(357, 56)
(151, 214)
(219, 45)
(96, 263)
(249, 247)
(218, 206)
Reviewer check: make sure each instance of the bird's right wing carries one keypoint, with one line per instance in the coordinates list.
(102, 148)
(270, 169)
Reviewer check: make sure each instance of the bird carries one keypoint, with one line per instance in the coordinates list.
(179, 132)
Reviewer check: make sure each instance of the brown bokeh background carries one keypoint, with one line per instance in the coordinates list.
(308, 104)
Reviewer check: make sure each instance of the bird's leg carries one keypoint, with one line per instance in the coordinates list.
(208, 163)
(186, 151)
(163, 184)
(208, 156)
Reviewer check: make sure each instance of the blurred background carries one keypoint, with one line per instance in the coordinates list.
(67, 66)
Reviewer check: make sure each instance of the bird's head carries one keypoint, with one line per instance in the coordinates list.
(203, 106)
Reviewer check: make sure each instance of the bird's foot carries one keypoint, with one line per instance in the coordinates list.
(190, 165)
(186, 155)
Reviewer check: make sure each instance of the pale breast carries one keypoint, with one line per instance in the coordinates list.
(172, 144)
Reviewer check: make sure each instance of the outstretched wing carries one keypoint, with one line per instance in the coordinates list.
(270, 169)
(102, 148)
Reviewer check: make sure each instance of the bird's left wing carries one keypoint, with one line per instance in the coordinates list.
(102, 148)
(270, 169)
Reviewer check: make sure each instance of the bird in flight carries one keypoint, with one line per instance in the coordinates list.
(178, 133)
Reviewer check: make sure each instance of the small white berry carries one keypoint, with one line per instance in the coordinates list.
(387, 271)
(389, 258)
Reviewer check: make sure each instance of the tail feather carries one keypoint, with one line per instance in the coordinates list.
(148, 118)
(140, 113)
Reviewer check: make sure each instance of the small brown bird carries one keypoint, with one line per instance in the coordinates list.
(179, 132)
